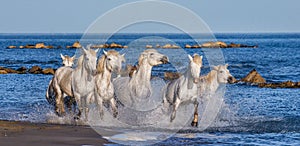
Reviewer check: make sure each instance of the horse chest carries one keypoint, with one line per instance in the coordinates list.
(187, 94)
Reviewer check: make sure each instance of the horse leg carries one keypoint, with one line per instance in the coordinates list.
(79, 105)
(195, 120)
(165, 105)
(114, 107)
(59, 107)
(175, 107)
(86, 102)
(69, 103)
(100, 105)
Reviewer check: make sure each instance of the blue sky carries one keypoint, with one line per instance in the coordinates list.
(75, 16)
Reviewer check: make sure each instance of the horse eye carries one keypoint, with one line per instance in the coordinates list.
(108, 59)
(221, 71)
(152, 54)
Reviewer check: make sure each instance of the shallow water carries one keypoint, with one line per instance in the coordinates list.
(250, 115)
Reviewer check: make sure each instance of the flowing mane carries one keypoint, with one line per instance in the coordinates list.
(100, 65)
(80, 61)
(210, 76)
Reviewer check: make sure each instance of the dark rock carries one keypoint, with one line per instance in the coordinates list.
(22, 70)
(35, 70)
(171, 75)
(253, 77)
(29, 46)
(287, 84)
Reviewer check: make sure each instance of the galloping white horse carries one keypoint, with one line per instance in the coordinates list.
(184, 89)
(208, 85)
(110, 62)
(65, 79)
(83, 80)
(50, 94)
(138, 86)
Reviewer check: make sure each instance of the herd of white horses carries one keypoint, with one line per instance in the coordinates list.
(90, 82)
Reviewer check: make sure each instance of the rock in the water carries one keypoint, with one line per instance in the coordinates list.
(48, 71)
(8, 70)
(149, 46)
(171, 75)
(2, 71)
(22, 70)
(115, 45)
(253, 77)
(287, 84)
(35, 70)
(29, 46)
(188, 46)
(75, 45)
(210, 45)
(169, 46)
(12, 47)
(39, 45)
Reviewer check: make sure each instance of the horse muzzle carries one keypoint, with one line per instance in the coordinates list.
(231, 80)
(164, 60)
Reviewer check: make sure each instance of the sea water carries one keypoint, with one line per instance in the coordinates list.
(249, 115)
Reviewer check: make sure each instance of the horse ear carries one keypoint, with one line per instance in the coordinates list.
(201, 57)
(226, 65)
(97, 50)
(62, 57)
(190, 57)
(73, 57)
(105, 53)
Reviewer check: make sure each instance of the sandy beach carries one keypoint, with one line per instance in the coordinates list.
(26, 133)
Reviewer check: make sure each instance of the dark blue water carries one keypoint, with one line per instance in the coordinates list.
(261, 116)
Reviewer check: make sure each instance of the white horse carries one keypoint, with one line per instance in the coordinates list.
(50, 94)
(63, 80)
(183, 89)
(138, 86)
(209, 84)
(110, 62)
(83, 80)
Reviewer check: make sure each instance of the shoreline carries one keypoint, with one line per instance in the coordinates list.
(27, 133)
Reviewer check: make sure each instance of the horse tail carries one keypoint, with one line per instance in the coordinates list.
(49, 93)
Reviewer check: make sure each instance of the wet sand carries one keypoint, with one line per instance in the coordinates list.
(26, 133)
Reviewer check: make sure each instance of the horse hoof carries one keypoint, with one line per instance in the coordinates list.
(76, 118)
(194, 124)
(115, 115)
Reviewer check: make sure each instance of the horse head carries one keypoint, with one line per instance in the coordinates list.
(112, 60)
(223, 74)
(90, 60)
(152, 57)
(195, 66)
(67, 60)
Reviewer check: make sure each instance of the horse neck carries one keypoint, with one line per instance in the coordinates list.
(106, 74)
(188, 78)
(212, 80)
(84, 74)
(143, 75)
(188, 73)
